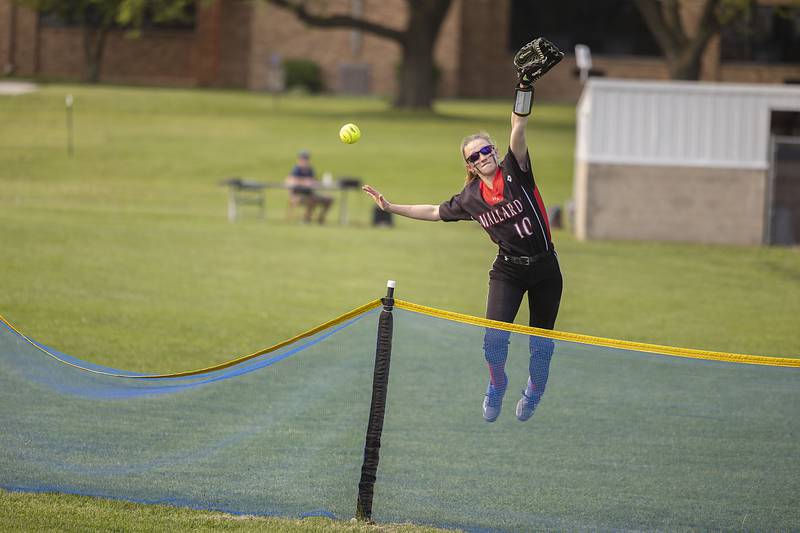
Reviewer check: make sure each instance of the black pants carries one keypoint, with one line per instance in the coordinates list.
(508, 283)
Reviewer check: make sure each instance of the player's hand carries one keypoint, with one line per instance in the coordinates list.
(379, 199)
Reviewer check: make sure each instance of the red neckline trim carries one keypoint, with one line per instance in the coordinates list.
(493, 196)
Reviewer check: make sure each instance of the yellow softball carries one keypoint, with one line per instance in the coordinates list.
(349, 133)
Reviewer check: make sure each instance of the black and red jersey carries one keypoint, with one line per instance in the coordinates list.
(512, 212)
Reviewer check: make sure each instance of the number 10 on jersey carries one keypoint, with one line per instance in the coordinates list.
(524, 228)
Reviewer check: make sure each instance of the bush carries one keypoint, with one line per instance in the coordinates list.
(303, 73)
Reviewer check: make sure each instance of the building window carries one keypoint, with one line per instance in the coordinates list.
(764, 35)
(71, 18)
(610, 27)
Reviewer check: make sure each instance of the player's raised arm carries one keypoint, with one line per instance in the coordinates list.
(532, 62)
(518, 144)
(418, 212)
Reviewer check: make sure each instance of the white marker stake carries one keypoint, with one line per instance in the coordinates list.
(68, 100)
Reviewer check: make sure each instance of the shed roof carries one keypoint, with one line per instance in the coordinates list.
(679, 123)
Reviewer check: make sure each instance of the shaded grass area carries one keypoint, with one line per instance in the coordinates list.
(622, 441)
(121, 255)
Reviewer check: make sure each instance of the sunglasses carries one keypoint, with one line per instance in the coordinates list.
(486, 150)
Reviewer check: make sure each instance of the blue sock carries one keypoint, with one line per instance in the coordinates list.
(495, 350)
(539, 367)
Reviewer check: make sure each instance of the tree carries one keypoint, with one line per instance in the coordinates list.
(416, 40)
(97, 17)
(682, 50)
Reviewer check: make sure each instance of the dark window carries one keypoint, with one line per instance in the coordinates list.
(67, 17)
(607, 27)
(56, 20)
(763, 35)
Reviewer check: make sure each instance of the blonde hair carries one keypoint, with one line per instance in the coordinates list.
(468, 139)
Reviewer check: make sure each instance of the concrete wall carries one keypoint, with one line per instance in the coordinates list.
(662, 203)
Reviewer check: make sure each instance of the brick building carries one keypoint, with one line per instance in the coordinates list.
(237, 43)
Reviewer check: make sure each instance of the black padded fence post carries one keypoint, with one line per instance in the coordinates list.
(380, 381)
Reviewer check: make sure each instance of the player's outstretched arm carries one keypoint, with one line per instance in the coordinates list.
(518, 143)
(532, 61)
(418, 212)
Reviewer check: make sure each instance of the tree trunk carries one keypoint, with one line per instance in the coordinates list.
(417, 83)
(94, 41)
(416, 86)
(685, 66)
(683, 51)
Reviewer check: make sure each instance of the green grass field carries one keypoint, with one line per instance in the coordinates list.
(122, 254)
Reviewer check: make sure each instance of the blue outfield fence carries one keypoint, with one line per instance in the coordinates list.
(625, 436)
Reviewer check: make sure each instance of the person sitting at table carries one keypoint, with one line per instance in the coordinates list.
(303, 185)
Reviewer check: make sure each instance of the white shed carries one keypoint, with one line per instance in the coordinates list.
(687, 161)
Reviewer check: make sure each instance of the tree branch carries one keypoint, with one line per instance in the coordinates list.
(654, 18)
(710, 24)
(338, 21)
(672, 17)
(709, 20)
